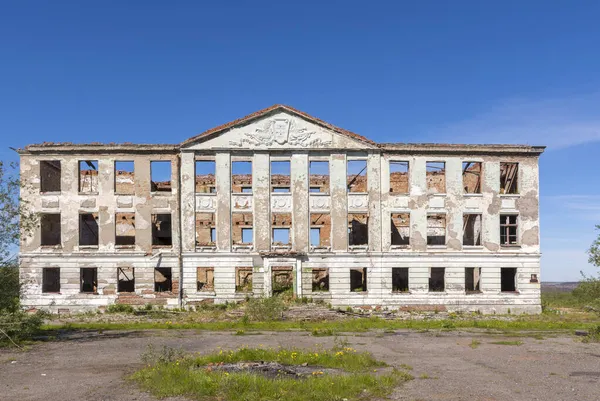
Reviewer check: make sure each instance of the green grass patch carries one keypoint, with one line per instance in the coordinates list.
(474, 343)
(516, 342)
(522, 323)
(195, 377)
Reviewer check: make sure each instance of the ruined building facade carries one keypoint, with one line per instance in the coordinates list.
(282, 201)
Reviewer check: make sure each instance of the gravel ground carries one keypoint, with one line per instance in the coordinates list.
(92, 366)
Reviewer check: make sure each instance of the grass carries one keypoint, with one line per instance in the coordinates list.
(474, 343)
(544, 322)
(194, 377)
(561, 299)
(516, 342)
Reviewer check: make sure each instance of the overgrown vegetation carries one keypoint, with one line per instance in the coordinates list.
(265, 309)
(15, 325)
(199, 376)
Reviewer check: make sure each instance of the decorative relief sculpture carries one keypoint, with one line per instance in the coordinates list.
(358, 202)
(242, 202)
(281, 203)
(319, 203)
(205, 202)
(280, 131)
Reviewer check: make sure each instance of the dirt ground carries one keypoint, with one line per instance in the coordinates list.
(92, 366)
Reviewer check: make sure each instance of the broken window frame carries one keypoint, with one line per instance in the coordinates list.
(406, 163)
(433, 166)
(365, 226)
(121, 216)
(276, 289)
(407, 237)
(364, 282)
(514, 288)
(243, 164)
(44, 220)
(477, 240)
(241, 244)
(505, 230)
(275, 227)
(319, 223)
(239, 289)
(154, 187)
(400, 289)
(49, 181)
(431, 287)
(445, 231)
(83, 285)
(465, 172)
(209, 188)
(509, 178)
(210, 227)
(155, 230)
(116, 170)
(351, 182)
(168, 287)
(207, 285)
(318, 288)
(130, 281)
(327, 184)
(470, 273)
(50, 287)
(92, 167)
(280, 188)
(83, 224)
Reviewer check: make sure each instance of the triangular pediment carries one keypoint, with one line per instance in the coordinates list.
(278, 127)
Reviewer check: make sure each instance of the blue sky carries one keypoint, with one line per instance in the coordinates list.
(421, 71)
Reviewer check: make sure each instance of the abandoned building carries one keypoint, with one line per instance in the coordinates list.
(282, 201)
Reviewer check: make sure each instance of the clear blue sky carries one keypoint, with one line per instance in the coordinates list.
(461, 71)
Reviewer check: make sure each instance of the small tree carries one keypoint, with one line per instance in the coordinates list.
(588, 290)
(15, 219)
(594, 251)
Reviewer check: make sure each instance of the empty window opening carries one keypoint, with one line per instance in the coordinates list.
(88, 229)
(125, 279)
(160, 176)
(50, 173)
(205, 229)
(508, 279)
(398, 177)
(471, 176)
(358, 279)
(243, 279)
(320, 230)
(281, 224)
(51, 279)
(437, 279)
(508, 229)
(161, 230)
(88, 279)
(509, 173)
(472, 279)
(436, 229)
(50, 226)
(205, 278)
(399, 279)
(124, 177)
(319, 176)
(282, 280)
(280, 176)
(356, 176)
(436, 177)
(471, 230)
(163, 281)
(241, 177)
(320, 280)
(358, 229)
(205, 177)
(400, 229)
(241, 229)
(88, 176)
(125, 229)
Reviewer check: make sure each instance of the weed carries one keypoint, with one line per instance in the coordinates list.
(265, 309)
(424, 376)
(474, 343)
(323, 332)
(405, 366)
(119, 308)
(593, 335)
(153, 355)
(516, 342)
(240, 333)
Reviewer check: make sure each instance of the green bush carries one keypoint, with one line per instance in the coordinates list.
(265, 309)
(9, 289)
(119, 308)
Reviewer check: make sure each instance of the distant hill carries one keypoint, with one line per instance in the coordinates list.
(559, 286)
